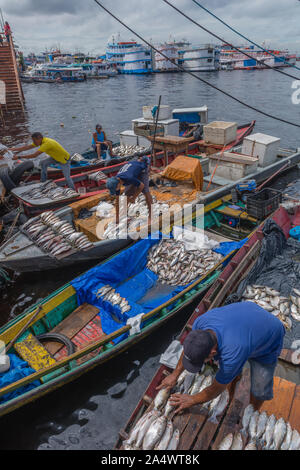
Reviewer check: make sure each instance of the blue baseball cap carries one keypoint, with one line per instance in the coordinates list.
(196, 348)
(112, 184)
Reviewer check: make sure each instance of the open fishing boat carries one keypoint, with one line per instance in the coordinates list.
(196, 429)
(90, 160)
(86, 184)
(83, 325)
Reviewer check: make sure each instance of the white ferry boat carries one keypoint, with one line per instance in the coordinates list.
(129, 56)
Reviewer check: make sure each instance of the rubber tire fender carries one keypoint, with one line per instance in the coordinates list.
(17, 173)
(71, 347)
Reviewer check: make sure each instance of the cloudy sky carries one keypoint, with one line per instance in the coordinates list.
(82, 25)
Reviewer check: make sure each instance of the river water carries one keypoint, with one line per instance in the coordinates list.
(88, 413)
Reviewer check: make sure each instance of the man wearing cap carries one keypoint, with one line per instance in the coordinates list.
(232, 335)
(135, 177)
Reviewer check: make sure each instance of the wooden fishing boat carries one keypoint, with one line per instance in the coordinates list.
(84, 185)
(197, 432)
(91, 161)
(97, 333)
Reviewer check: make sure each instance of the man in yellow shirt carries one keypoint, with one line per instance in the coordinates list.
(57, 154)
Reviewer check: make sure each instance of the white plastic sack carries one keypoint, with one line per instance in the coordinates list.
(104, 209)
(194, 240)
(172, 355)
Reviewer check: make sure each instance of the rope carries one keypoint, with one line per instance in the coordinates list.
(228, 43)
(193, 74)
(242, 36)
(11, 228)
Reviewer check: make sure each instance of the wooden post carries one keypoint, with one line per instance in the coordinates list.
(155, 129)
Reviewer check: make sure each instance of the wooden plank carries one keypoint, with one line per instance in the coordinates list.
(235, 411)
(71, 325)
(32, 351)
(281, 404)
(193, 426)
(294, 416)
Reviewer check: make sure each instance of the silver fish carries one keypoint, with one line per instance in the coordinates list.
(154, 433)
(153, 415)
(288, 438)
(295, 440)
(226, 442)
(268, 435)
(249, 410)
(220, 406)
(174, 441)
(197, 385)
(253, 425)
(237, 443)
(161, 398)
(261, 425)
(279, 434)
(166, 437)
(251, 445)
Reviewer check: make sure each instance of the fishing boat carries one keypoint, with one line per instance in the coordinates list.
(196, 430)
(77, 327)
(86, 184)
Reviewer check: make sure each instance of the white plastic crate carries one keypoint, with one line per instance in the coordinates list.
(263, 146)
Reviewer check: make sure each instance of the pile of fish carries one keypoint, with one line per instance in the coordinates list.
(176, 266)
(271, 300)
(77, 157)
(51, 191)
(137, 216)
(97, 176)
(155, 429)
(262, 432)
(55, 236)
(127, 150)
(109, 294)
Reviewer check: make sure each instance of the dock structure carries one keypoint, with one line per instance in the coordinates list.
(12, 99)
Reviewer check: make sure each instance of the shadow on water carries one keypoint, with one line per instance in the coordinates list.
(88, 413)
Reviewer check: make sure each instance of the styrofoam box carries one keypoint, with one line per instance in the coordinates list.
(143, 141)
(230, 170)
(171, 126)
(263, 146)
(164, 112)
(220, 132)
(128, 138)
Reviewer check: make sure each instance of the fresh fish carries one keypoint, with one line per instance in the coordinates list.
(253, 425)
(288, 438)
(134, 432)
(154, 433)
(174, 441)
(161, 398)
(295, 439)
(219, 406)
(261, 425)
(197, 384)
(226, 442)
(251, 445)
(188, 381)
(166, 437)
(279, 434)
(153, 415)
(206, 383)
(249, 410)
(268, 435)
(237, 443)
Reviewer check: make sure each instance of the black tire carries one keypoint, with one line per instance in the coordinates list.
(17, 173)
(6, 179)
(71, 347)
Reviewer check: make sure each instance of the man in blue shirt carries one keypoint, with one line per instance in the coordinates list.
(135, 177)
(232, 335)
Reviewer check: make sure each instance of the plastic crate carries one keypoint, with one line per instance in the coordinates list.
(263, 203)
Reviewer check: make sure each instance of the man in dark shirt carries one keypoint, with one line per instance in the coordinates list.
(232, 335)
(135, 177)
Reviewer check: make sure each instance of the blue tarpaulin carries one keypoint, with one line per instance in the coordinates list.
(227, 247)
(18, 370)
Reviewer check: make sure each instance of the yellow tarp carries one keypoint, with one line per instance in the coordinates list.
(184, 169)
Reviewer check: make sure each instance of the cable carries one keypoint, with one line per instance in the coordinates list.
(241, 35)
(228, 43)
(191, 73)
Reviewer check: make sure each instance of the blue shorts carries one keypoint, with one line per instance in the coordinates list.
(103, 147)
(262, 379)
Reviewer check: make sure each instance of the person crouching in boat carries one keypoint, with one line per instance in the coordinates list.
(57, 154)
(135, 177)
(100, 142)
(232, 335)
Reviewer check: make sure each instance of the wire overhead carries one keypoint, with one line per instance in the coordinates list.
(241, 35)
(228, 43)
(193, 74)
